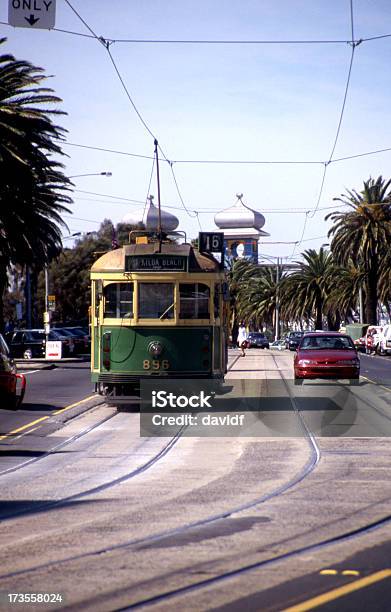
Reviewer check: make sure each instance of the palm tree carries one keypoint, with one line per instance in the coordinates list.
(32, 185)
(363, 235)
(304, 292)
(344, 285)
(257, 295)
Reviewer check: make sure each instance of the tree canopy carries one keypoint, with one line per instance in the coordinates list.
(33, 187)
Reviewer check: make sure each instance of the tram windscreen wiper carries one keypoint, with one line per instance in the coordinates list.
(166, 311)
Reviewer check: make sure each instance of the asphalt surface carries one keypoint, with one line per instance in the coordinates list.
(48, 391)
(377, 369)
(266, 522)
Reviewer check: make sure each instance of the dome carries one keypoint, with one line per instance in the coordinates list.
(238, 216)
(149, 217)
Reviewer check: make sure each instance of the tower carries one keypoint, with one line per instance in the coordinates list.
(242, 230)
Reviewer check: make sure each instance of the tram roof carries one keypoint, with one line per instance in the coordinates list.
(114, 261)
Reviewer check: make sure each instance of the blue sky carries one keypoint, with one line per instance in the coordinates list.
(270, 102)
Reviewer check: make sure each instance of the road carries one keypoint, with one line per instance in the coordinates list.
(47, 393)
(377, 369)
(269, 521)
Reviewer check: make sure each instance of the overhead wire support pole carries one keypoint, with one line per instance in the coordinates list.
(159, 229)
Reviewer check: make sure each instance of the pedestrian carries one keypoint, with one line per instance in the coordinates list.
(242, 336)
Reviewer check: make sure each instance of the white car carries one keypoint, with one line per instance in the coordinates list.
(384, 341)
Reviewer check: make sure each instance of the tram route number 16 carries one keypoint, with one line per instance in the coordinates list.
(154, 364)
(211, 242)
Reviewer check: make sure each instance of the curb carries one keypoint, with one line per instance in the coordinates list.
(72, 413)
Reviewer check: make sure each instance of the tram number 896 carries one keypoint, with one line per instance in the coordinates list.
(155, 364)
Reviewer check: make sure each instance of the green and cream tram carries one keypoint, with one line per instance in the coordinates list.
(158, 309)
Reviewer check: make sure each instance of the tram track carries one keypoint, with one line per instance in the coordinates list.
(99, 488)
(270, 561)
(94, 490)
(310, 465)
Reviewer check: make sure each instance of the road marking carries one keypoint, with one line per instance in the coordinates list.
(19, 429)
(375, 383)
(350, 573)
(328, 572)
(15, 431)
(74, 405)
(315, 602)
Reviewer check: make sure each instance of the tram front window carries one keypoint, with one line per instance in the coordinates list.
(118, 301)
(194, 301)
(156, 300)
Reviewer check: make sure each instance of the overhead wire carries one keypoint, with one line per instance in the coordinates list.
(106, 44)
(203, 41)
(354, 44)
(309, 213)
(227, 161)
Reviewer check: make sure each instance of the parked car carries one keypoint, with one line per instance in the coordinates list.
(384, 346)
(81, 338)
(11, 393)
(278, 345)
(258, 340)
(372, 339)
(67, 342)
(31, 343)
(293, 339)
(76, 338)
(357, 332)
(329, 355)
(26, 343)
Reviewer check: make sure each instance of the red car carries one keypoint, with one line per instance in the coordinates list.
(11, 395)
(326, 355)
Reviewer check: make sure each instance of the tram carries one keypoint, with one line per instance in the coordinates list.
(159, 309)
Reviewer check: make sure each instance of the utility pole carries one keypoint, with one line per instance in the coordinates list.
(28, 298)
(46, 314)
(277, 311)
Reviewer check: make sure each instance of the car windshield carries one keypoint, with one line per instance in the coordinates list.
(37, 335)
(256, 335)
(326, 342)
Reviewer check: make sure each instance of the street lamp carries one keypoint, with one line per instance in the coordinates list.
(91, 174)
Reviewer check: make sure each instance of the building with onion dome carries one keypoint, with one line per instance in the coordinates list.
(242, 230)
(148, 218)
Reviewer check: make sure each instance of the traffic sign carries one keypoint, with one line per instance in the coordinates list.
(51, 303)
(32, 13)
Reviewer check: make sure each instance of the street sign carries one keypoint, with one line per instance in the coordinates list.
(51, 303)
(32, 13)
(53, 349)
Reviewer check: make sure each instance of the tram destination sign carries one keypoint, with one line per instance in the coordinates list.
(155, 263)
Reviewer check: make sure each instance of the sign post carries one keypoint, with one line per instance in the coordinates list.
(32, 13)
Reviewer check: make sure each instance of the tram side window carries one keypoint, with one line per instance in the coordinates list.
(216, 302)
(156, 301)
(119, 300)
(194, 301)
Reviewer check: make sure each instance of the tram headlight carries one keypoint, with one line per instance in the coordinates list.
(155, 348)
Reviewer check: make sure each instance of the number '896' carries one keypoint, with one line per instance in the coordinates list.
(154, 364)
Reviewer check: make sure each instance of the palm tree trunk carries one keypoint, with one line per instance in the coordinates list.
(319, 318)
(371, 297)
(3, 286)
